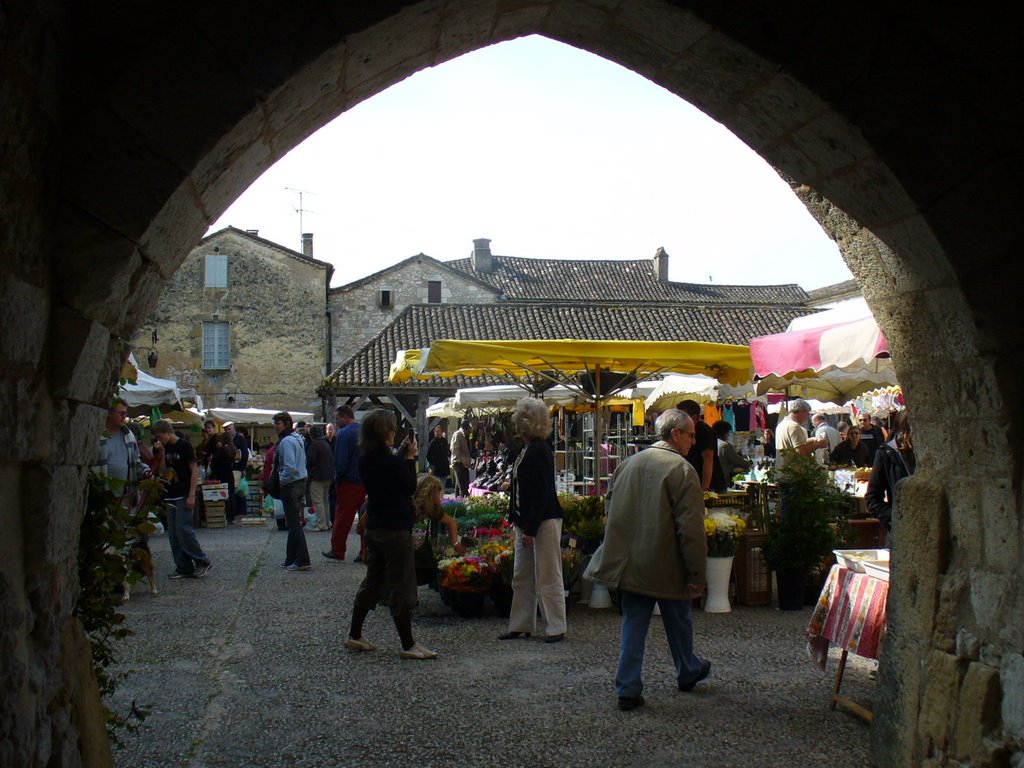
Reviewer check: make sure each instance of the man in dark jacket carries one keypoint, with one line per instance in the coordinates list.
(439, 455)
(320, 466)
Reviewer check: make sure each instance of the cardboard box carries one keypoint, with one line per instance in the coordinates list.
(215, 491)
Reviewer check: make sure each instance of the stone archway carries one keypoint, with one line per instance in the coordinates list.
(126, 133)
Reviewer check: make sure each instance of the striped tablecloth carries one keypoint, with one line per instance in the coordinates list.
(850, 613)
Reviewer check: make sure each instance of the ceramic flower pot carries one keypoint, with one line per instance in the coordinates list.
(719, 569)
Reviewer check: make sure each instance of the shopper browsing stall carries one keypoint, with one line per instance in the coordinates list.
(537, 517)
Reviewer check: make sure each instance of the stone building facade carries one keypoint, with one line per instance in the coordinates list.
(360, 309)
(243, 322)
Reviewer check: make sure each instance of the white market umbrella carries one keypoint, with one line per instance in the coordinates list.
(259, 416)
(703, 389)
(445, 409)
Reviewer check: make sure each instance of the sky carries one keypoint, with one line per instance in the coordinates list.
(551, 153)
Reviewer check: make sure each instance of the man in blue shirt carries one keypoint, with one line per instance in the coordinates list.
(290, 464)
(349, 490)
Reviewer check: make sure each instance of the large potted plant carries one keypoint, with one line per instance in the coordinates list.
(811, 523)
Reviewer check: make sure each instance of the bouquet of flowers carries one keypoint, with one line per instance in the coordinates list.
(466, 574)
(723, 531)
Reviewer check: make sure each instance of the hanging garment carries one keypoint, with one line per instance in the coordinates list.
(728, 415)
(758, 415)
(712, 413)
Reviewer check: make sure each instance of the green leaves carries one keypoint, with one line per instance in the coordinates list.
(813, 522)
(105, 564)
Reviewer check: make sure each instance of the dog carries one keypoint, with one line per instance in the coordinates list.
(141, 563)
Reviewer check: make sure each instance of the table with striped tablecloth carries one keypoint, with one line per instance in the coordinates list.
(851, 614)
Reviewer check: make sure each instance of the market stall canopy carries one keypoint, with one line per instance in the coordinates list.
(563, 358)
(445, 409)
(506, 396)
(834, 355)
(149, 392)
(704, 389)
(254, 415)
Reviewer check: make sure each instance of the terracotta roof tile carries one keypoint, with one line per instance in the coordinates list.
(420, 324)
(614, 281)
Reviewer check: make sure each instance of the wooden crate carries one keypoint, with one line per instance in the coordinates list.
(215, 517)
(753, 576)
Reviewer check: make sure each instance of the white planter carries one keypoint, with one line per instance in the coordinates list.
(585, 587)
(719, 570)
(599, 597)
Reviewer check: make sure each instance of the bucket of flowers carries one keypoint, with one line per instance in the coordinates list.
(468, 578)
(500, 554)
(723, 531)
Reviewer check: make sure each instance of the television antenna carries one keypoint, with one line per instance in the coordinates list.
(300, 209)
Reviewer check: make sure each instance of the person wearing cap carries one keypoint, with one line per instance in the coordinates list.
(823, 429)
(791, 435)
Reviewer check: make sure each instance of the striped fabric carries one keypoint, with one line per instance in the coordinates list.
(850, 613)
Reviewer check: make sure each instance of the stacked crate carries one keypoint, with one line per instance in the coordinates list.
(215, 495)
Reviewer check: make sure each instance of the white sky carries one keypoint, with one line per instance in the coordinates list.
(550, 152)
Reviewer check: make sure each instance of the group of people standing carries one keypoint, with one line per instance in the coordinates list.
(890, 456)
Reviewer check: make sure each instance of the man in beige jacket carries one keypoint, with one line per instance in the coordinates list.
(461, 458)
(655, 551)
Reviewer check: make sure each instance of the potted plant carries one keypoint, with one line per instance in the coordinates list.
(811, 523)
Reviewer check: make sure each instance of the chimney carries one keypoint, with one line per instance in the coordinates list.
(307, 244)
(253, 232)
(661, 265)
(482, 259)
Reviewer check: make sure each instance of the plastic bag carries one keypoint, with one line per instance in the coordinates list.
(242, 488)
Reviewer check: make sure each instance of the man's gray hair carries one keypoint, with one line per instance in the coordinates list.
(531, 418)
(799, 405)
(671, 419)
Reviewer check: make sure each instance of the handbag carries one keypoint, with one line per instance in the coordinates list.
(272, 485)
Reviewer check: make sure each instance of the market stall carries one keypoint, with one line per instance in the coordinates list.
(834, 356)
(594, 370)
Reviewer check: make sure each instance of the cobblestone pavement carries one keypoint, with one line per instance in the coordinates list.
(245, 668)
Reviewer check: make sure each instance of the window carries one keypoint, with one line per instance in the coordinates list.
(385, 299)
(434, 291)
(216, 270)
(215, 345)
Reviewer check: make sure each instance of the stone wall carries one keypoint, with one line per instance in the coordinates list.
(356, 314)
(124, 135)
(275, 307)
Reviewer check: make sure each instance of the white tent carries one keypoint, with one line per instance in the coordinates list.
(445, 409)
(505, 396)
(254, 415)
(673, 389)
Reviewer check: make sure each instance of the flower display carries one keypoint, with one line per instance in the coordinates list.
(466, 574)
(723, 531)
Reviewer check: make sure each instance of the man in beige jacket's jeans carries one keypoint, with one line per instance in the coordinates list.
(655, 551)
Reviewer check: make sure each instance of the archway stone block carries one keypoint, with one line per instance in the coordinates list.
(85, 357)
(133, 173)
